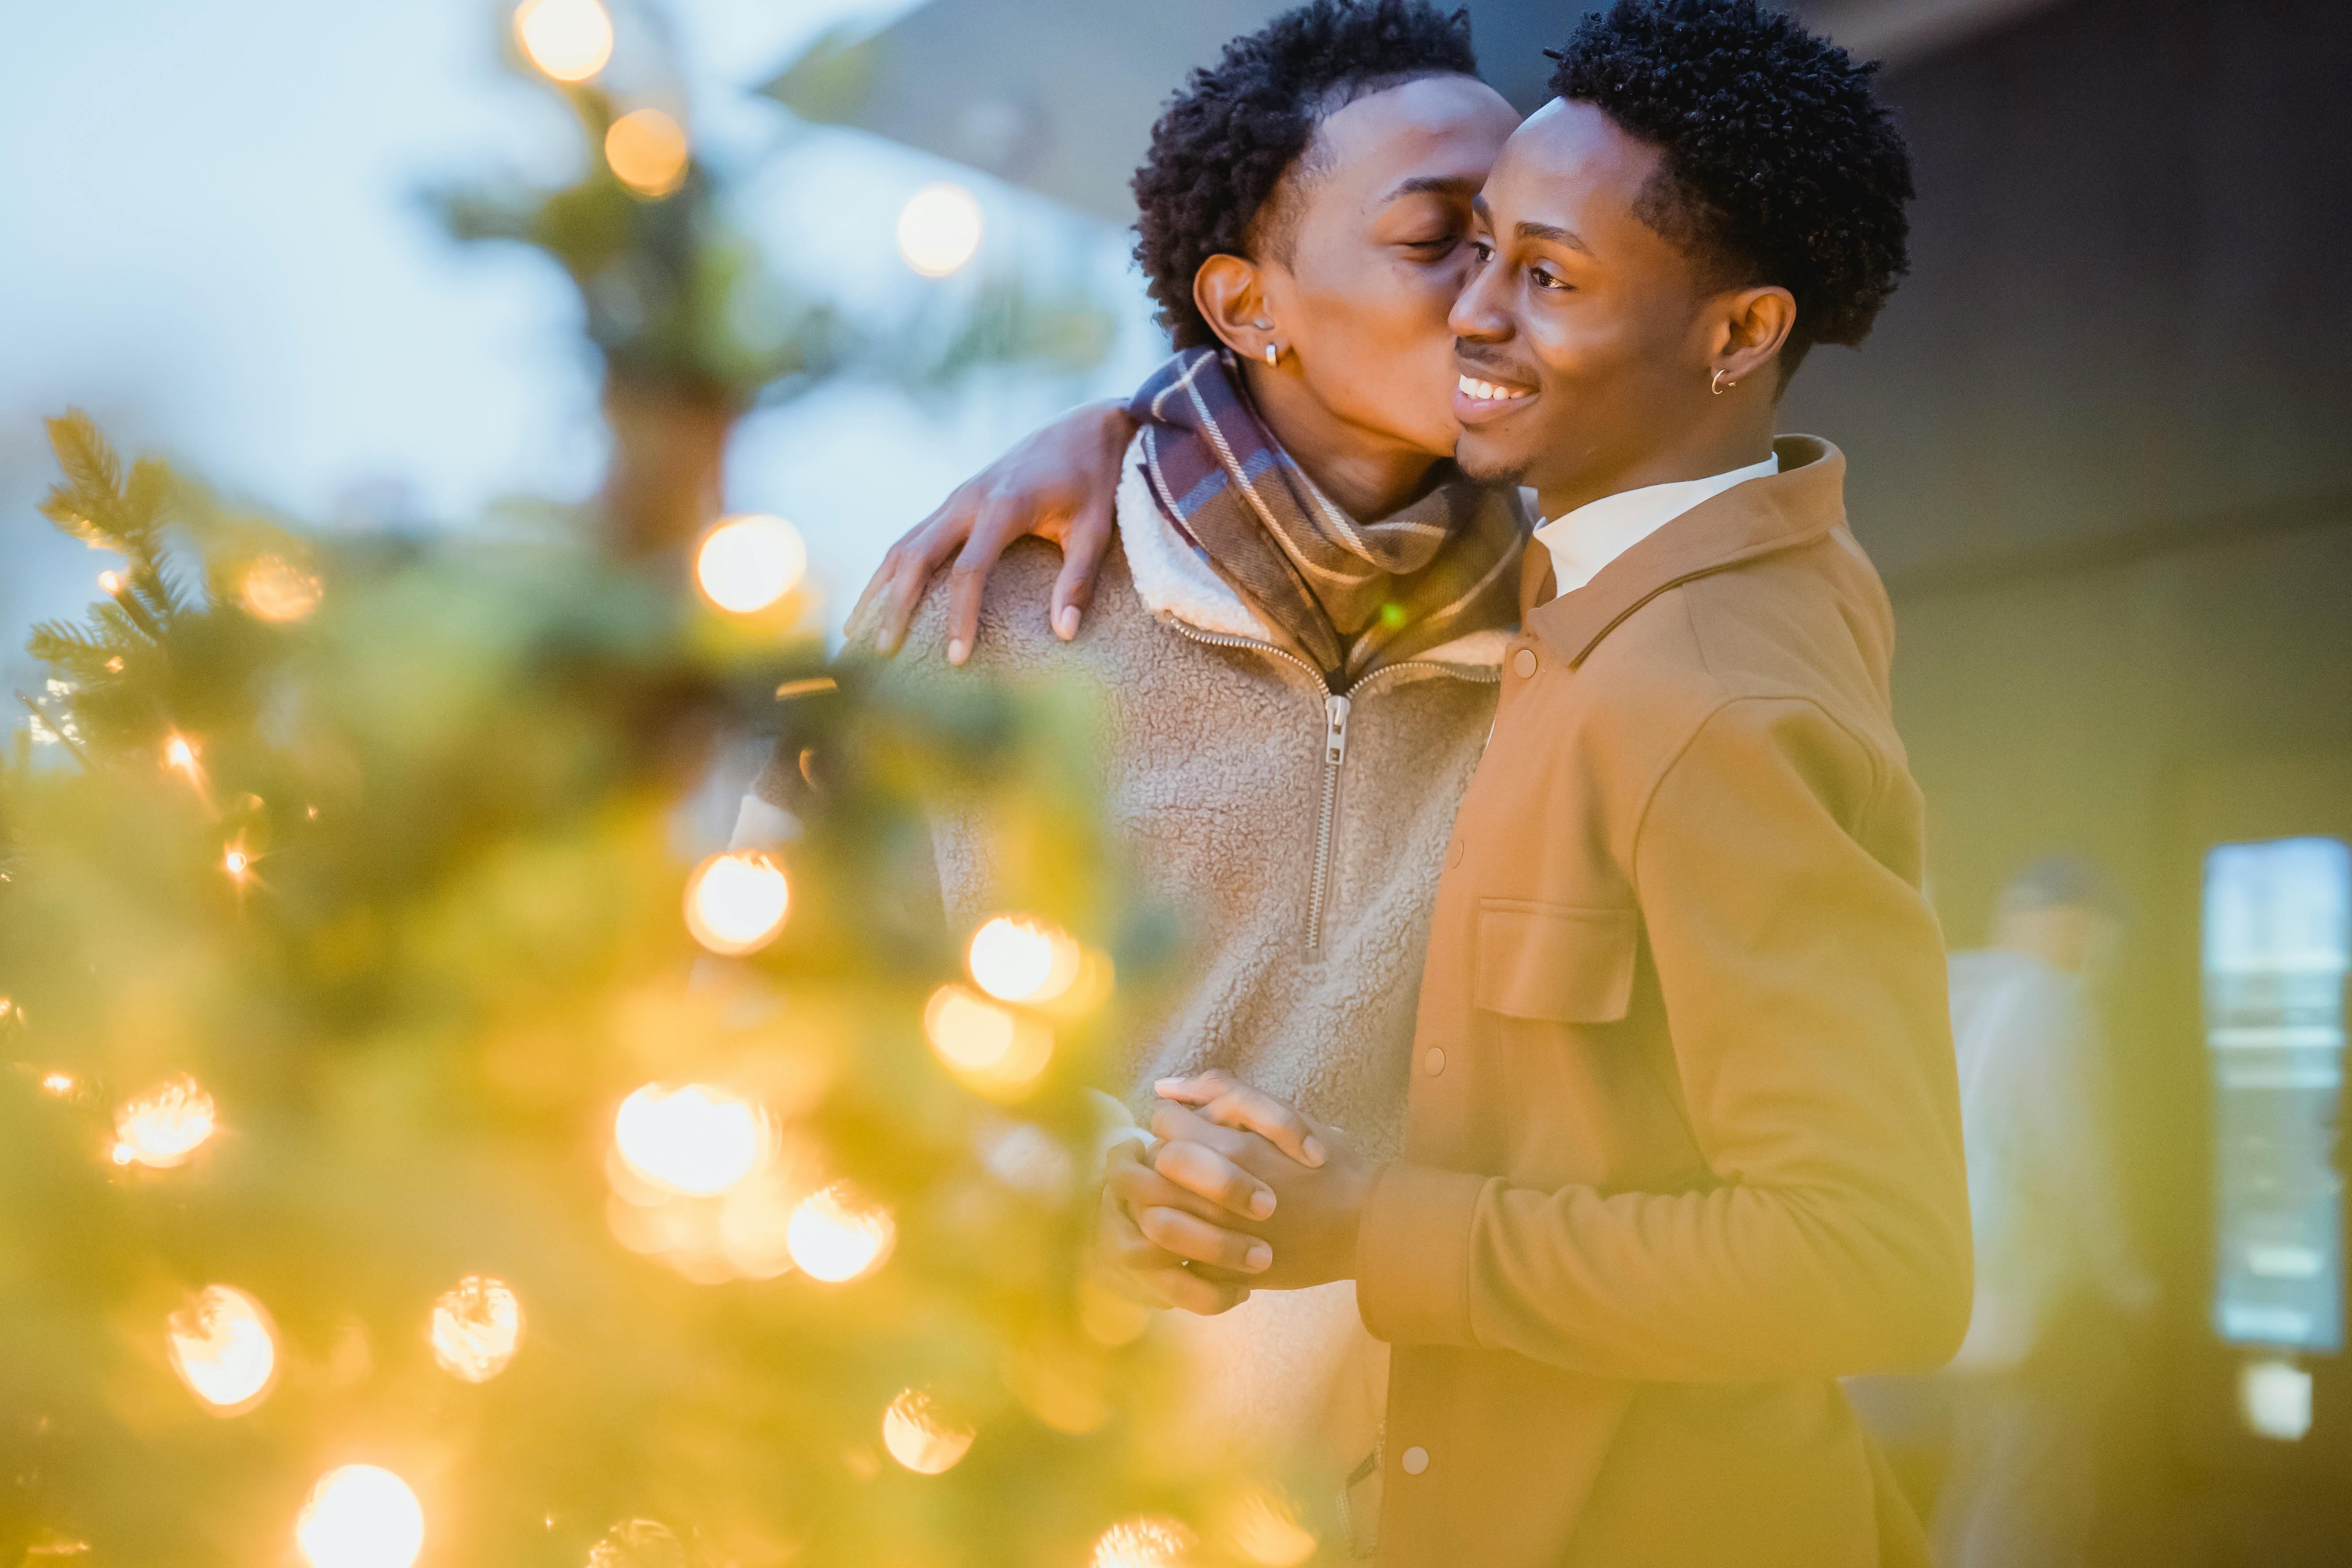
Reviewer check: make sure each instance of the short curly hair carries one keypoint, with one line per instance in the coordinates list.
(1216, 181)
(1782, 166)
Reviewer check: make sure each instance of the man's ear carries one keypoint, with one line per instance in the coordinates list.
(1230, 293)
(1754, 326)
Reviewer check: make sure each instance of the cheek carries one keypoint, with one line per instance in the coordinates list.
(1383, 350)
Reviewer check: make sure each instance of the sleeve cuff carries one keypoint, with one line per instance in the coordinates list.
(1412, 1255)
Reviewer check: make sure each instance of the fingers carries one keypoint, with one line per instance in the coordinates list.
(1214, 1177)
(1082, 549)
(998, 525)
(1187, 1292)
(1137, 1185)
(910, 564)
(1159, 1276)
(1229, 1102)
(1174, 1230)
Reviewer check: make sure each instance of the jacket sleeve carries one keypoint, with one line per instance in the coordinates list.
(1804, 987)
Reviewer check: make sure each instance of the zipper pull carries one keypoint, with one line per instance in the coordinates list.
(1335, 739)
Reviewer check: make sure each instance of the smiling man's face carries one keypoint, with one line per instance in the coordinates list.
(1582, 334)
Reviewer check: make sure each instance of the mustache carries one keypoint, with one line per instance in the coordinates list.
(1489, 358)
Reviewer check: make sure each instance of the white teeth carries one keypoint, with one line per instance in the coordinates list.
(1487, 391)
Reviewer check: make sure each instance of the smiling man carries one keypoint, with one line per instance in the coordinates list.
(1683, 1145)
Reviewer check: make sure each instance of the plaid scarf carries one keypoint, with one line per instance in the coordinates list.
(1348, 596)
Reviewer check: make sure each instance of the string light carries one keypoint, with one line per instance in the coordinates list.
(836, 1238)
(991, 1048)
(477, 1328)
(647, 150)
(238, 861)
(275, 590)
(1143, 1543)
(940, 229)
(570, 40)
(697, 1140)
(179, 752)
(112, 581)
(736, 902)
(745, 564)
(361, 1516)
(163, 1127)
(1020, 959)
(223, 1347)
(57, 1083)
(919, 1437)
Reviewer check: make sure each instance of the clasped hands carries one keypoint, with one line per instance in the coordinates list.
(1243, 1193)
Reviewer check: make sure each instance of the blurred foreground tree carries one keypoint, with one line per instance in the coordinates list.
(410, 1153)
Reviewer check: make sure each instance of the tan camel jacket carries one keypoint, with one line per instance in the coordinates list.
(1683, 1141)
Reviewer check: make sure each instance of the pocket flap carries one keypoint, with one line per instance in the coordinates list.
(1552, 961)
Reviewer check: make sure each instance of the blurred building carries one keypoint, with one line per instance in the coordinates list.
(2102, 449)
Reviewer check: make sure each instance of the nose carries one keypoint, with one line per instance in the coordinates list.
(1478, 313)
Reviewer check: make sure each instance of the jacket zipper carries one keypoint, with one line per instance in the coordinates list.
(1335, 707)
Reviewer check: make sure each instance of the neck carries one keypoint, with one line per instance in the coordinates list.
(1729, 437)
(1368, 476)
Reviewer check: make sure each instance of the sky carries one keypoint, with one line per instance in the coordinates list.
(212, 238)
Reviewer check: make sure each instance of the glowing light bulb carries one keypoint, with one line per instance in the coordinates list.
(1143, 1543)
(1023, 960)
(477, 1328)
(236, 862)
(835, 1238)
(274, 590)
(570, 40)
(938, 229)
(361, 1516)
(223, 1348)
(1262, 1530)
(745, 564)
(697, 1140)
(647, 150)
(919, 1437)
(112, 581)
(736, 902)
(57, 1083)
(991, 1048)
(179, 753)
(163, 1127)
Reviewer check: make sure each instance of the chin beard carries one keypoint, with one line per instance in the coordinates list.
(1491, 470)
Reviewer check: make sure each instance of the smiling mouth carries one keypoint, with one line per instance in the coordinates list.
(1490, 392)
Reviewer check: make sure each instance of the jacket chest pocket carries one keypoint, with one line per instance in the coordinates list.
(1554, 962)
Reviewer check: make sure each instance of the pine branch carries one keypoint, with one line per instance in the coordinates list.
(94, 505)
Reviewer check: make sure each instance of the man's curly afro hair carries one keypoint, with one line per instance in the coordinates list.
(1213, 182)
(1781, 167)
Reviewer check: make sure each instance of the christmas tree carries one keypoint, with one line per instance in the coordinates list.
(410, 1155)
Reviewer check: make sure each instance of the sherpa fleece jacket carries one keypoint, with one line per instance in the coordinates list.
(1299, 834)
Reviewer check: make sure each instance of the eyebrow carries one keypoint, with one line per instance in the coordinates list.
(1531, 230)
(1436, 185)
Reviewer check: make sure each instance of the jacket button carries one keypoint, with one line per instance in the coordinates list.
(1414, 1461)
(1453, 856)
(1523, 661)
(1432, 1060)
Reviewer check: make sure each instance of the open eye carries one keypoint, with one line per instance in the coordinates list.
(1481, 251)
(1543, 277)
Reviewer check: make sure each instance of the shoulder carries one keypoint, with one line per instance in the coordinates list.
(1016, 611)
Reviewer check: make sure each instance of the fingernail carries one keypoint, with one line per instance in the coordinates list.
(1314, 1151)
(1168, 1086)
(1261, 1203)
(956, 650)
(1259, 1259)
(1067, 622)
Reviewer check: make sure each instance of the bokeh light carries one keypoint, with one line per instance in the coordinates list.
(224, 1348)
(991, 1048)
(736, 902)
(836, 1236)
(647, 150)
(570, 40)
(1262, 1529)
(113, 583)
(361, 1516)
(695, 1139)
(180, 753)
(477, 1328)
(1020, 959)
(919, 1437)
(163, 1127)
(60, 1084)
(274, 590)
(238, 861)
(940, 229)
(745, 564)
(1143, 1543)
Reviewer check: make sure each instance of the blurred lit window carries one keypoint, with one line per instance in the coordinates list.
(2278, 942)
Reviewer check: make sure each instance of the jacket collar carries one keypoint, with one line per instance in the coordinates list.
(1804, 502)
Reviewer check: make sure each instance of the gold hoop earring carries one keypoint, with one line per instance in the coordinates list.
(1719, 384)
(1273, 354)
